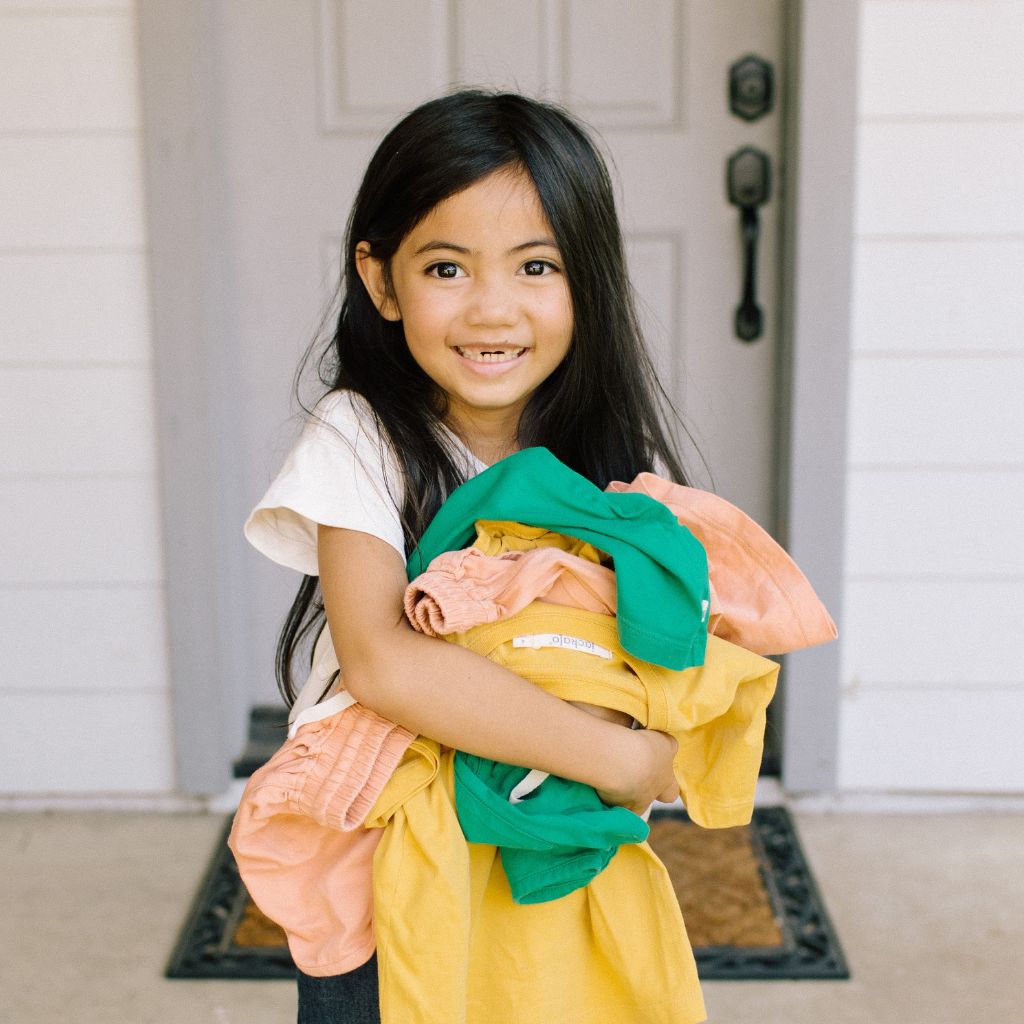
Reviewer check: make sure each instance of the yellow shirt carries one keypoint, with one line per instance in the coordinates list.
(452, 946)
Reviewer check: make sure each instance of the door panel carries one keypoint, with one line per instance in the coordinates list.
(308, 89)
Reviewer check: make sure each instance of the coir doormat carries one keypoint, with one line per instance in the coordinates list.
(751, 908)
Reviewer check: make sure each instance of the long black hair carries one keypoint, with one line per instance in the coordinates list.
(602, 411)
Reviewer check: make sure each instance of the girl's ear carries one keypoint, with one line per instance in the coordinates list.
(371, 272)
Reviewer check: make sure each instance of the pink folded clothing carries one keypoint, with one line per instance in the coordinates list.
(463, 589)
(764, 602)
(298, 838)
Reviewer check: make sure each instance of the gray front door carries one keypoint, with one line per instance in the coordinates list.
(306, 90)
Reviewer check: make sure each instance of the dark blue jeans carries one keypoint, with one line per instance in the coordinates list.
(351, 998)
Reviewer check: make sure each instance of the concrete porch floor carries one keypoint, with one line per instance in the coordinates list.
(929, 909)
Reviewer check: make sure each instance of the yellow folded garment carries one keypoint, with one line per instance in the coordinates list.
(453, 946)
(716, 711)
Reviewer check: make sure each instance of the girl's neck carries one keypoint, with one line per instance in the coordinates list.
(489, 439)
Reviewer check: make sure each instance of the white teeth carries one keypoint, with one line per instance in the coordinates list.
(498, 356)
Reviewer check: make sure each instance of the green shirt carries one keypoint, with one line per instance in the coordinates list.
(556, 840)
(661, 570)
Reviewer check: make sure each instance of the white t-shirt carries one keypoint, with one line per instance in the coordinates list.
(339, 473)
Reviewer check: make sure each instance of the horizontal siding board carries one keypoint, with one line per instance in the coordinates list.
(53, 9)
(77, 420)
(954, 58)
(938, 296)
(87, 530)
(68, 74)
(85, 743)
(934, 522)
(88, 638)
(940, 178)
(932, 741)
(74, 307)
(936, 411)
(931, 632)
(62, 192)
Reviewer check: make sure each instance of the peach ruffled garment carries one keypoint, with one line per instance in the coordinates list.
(299, 840)
(463, 589)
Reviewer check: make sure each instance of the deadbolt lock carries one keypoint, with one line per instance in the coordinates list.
(751, 87)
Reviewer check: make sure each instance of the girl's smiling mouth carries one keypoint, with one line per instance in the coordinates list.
(489, 356)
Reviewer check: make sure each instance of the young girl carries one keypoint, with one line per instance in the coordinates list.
(486, 309)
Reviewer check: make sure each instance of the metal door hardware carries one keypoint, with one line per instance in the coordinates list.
(749, 186)
(751, 87)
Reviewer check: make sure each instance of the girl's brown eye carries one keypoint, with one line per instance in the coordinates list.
(446, 270)
(537, 268)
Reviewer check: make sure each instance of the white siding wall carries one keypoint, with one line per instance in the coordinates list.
(933, 693)
(84, 697)
(933, 685)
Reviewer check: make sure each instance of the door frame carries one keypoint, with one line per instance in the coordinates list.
(184, 191)
(817, 254)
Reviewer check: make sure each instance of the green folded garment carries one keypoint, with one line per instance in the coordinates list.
(554, 841)
(661, 570)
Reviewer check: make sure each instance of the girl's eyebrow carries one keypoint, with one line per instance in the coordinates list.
(439, 244)
(431, 246)
(535, 243)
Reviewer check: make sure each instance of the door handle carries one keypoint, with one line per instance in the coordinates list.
(749, 186)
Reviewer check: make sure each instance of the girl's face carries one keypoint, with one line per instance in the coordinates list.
(484, 303)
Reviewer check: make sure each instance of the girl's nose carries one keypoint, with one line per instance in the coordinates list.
(491, 304)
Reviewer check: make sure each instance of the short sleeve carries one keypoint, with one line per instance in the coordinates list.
(339, 473)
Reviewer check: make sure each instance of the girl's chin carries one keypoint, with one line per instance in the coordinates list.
(468, 404)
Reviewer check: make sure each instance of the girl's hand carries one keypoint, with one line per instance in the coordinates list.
(648, 776)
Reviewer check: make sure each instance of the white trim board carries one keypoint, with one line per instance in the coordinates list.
(817, 259)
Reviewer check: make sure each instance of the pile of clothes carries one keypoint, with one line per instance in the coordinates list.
(495, 892)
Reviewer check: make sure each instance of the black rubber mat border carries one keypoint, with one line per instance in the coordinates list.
(810, 947)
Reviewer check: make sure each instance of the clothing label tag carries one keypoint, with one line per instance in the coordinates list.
(563, 640)
(530, 783)
(705, 607)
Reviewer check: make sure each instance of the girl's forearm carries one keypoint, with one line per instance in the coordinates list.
(463, 700)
